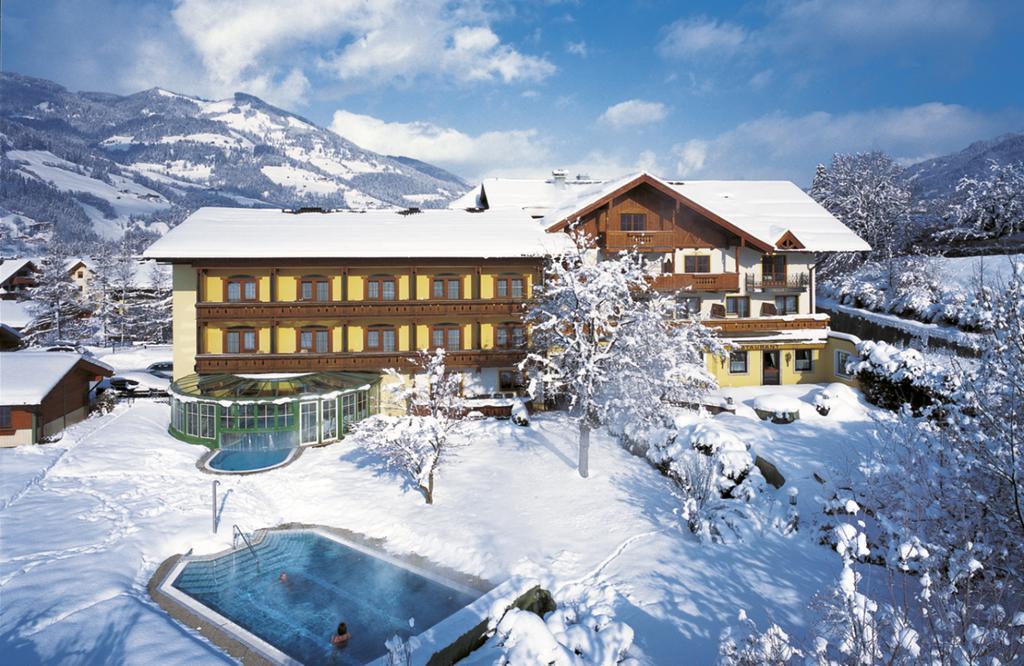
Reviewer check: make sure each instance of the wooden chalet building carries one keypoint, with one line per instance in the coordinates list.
(264, 296)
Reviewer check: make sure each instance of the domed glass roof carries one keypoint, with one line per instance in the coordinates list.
(272, 386)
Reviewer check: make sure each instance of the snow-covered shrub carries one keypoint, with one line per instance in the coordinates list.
(891, 377)
(833, 396)
(582, 630)
(520, 415)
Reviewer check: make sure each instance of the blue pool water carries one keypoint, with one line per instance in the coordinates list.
(328, 582)
(242, 460)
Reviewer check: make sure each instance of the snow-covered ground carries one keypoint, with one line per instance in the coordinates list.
(132, 363)
(87, 520)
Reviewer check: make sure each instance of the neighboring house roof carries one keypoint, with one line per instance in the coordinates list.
(9, 337)
(253, 233)
(16, 314)
(10, 267)
(532, 195)
(142, 269)
(770, 214)
(26, 377)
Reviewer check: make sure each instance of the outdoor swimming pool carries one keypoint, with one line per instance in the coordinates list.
(328, 582)
(243, 460)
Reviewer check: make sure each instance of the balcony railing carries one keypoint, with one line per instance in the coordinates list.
(763, 324)
(651, 241)
(349, 309)
(696, 281)
(360, 361)
(769, 281)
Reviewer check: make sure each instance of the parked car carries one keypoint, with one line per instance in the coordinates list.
(125, 386)
(162, 369)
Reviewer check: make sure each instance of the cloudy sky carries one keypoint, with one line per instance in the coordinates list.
(759, 89)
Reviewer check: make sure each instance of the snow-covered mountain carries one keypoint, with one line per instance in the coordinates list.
(937, 178)
(86, 165)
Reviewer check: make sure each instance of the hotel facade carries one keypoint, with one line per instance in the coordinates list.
(284, 321)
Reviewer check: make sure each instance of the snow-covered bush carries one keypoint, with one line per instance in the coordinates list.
(891, 377)
(582, 630)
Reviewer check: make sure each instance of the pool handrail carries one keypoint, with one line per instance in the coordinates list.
(237, 532)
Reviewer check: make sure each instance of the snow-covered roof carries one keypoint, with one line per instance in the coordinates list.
(16, 314)
(26, 377)
(11, 266)
(535, 196)
(270, 234)
(142, 269)
(765, 210)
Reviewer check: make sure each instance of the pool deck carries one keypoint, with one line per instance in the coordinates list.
(250, 649)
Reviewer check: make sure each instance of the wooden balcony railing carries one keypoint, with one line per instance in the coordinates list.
(791, 281)
(697, 281)
(651, 241)
(764, 324)
(207, 312)
(369, 362)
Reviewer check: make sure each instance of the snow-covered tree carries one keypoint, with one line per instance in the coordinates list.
(991, 206)
(59, 310)
(419, 442)
(604, 339)
(868, 193)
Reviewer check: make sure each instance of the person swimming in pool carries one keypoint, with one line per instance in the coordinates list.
(283, 578)
(341, 638)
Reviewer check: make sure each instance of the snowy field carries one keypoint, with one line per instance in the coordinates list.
(87, 520)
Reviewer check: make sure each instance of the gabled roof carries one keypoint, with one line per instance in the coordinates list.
(535, 196)
(262, 233)
(26, 377)
(16, 314)
(11, 266)
(764, 212)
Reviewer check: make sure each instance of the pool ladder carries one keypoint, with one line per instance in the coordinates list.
(237, 532)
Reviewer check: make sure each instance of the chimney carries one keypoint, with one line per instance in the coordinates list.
(558, 177)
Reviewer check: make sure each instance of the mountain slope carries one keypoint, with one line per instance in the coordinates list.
(87, 165)
(937, 178)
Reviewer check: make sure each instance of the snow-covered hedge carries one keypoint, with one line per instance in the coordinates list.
(915, 288)
(891, 377)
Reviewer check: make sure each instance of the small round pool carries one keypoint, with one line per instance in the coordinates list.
(236, 461)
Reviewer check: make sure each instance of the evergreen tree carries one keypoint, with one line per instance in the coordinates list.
(59, 309)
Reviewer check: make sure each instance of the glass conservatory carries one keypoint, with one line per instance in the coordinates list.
(270, 411)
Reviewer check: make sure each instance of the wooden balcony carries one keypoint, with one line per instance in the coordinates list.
(767, 324)
(697, 282)
(791, 281)
(308, 310)
(366, 362)
(644, 241)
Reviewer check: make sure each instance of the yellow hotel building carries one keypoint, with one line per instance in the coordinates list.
(283, 321)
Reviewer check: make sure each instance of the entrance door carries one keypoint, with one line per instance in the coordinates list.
(770, 367)
(308, 426)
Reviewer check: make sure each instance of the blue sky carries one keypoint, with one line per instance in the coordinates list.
(760, 89)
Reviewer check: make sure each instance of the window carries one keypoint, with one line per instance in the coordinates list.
(314, 288)
(449, 288)
(226, 420)
(773, 268)
(246, 416)
(697, 263)
(286, 416)
(329, 419)
(842, 359)
(738, 362)
(192, 419)
(316, 340)
(348, 411)
(207, 420)
(81, 274)
(265, 416)
(242, 288)
(508, 336)
(511, 380)
(633, 222)
(510, 287)
(5, 418)
(803, 360)
(381, 289)
(787, 305)
(240, 341)
(687, 306)
(737, 306)
(381, 339)
(446, 336)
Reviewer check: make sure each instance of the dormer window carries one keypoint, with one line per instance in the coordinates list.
(633, 221)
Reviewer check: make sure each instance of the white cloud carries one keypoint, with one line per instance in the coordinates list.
(468, 155)
(577, 48)
(782, 146)
(634, 112)
(267, 47)
(692, 37)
